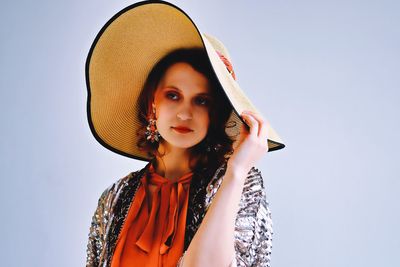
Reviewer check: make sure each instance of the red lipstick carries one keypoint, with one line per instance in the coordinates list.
(182, 129)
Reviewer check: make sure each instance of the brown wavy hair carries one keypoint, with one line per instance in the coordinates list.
(200, 159)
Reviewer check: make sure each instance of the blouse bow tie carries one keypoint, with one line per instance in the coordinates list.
(169, 199)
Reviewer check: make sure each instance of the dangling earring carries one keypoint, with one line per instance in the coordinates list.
(152, 133)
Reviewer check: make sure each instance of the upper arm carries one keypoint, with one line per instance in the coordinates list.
(263, 229)
(96, 233)
(253, 229)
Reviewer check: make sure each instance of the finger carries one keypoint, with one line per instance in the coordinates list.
(242, 135)
(252, 123)
(263, 130)
(243, 132)
(264, 134)
(260, 120)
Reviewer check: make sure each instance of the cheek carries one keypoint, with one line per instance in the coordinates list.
(205, 119)
(163, 113)
(160, 108)
(158, 102)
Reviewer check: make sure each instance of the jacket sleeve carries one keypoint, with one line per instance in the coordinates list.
(96, 234)
(253, 225)
(253, 228)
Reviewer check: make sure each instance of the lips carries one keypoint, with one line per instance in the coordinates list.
(182, 129)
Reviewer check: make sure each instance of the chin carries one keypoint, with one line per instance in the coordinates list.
(180, 143)
(184, 145)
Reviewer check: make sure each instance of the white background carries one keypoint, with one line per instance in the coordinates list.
(325, 74)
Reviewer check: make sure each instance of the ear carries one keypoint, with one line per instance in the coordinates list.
(152, 112)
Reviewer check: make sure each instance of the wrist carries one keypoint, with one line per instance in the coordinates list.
(237, 173)
(238, 168)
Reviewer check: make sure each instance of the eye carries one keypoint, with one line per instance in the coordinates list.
(172, 95)
(203, 101)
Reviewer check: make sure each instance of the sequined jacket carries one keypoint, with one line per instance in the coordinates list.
(253, 226)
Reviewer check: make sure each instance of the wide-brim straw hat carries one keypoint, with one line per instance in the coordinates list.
(120, 59)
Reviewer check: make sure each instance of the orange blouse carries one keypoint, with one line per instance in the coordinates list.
(153, 235)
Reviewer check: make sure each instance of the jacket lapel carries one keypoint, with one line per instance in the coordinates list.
(197, 200)
(124, 197)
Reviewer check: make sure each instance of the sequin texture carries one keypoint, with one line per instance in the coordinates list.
(253, 225)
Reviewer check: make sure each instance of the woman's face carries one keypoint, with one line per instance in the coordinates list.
(182, 101)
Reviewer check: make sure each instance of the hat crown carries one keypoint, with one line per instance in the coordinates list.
(121, 57)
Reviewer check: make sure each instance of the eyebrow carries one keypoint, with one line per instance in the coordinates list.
(176, 88)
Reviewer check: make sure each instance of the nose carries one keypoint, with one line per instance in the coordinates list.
(185, 113)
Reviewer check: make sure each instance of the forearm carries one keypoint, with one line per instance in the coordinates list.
(213, 243)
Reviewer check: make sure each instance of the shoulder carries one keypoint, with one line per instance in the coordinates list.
(253, 188)
(115, 186)
(253, 203)
(253, 182)
(113, 189)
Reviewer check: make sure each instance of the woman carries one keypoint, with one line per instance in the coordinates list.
(154, 96)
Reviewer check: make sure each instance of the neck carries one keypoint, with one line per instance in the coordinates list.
(174, 163)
